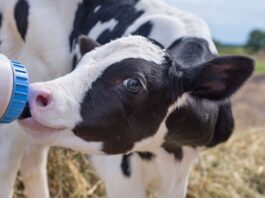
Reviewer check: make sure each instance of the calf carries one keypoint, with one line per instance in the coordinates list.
(134, 95)
(43, 34)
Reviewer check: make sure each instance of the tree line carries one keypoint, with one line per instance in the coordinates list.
(256, 41)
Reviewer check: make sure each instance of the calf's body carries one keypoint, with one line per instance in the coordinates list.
(161, 172)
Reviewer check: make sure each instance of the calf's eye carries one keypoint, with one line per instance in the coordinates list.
(133, 85)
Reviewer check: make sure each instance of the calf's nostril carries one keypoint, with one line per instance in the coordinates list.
(43, 100)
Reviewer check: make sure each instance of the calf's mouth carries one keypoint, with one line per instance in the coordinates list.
(27, 120)
(26, 113)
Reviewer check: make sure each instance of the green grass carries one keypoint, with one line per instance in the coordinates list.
(260, 65)
(229, 50)
(235, 50)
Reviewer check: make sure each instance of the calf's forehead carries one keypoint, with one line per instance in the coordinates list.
(124, 48)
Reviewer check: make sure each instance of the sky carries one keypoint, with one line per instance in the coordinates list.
(230, 21)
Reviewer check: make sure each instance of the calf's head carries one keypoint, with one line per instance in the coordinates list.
(124, 96)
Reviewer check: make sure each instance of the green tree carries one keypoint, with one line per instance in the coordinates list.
(256, 41)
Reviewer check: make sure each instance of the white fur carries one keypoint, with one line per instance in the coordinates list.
(100, 27)
(13, 142)
(136, 47)
(169, 181)
(68, 139)
(97, 9)
(33, 170)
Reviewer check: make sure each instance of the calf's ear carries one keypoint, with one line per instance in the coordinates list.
(219, 78)
(86, 44)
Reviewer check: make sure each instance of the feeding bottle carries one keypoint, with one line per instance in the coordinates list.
(14, 89)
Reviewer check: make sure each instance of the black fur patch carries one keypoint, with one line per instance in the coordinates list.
(190, 52)
(201, 122)
(218, 78)
(147, 156)
(1, 19)
(126, 161)
(126, 165)
(191, 124)
(175, 150)
(144, 30)
(86, 44)
(75, 62)
(21, 14)
(224, 126)
(123, 12)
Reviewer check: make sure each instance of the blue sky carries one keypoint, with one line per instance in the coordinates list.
(230, 21)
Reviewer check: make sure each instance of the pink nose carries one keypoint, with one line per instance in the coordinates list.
(40, 96)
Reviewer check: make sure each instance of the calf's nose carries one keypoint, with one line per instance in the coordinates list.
(40, 97)
(43, 98)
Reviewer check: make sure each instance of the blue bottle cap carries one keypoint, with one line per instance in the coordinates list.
(20, 93)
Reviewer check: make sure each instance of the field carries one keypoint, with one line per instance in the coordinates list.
(235, 169)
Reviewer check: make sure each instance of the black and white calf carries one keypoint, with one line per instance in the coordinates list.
(131, 95)
(153, 102)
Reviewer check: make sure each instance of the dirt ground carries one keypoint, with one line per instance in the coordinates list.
(235, 169)
(249, 104)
